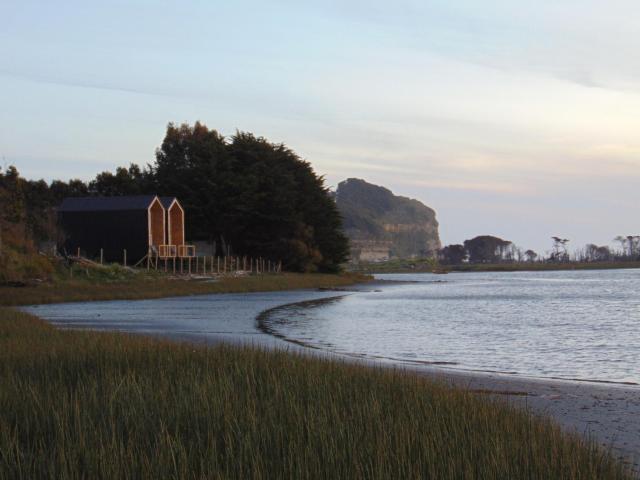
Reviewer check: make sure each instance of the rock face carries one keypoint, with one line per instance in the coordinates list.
(381, 225)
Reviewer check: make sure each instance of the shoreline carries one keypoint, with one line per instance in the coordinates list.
(608, 412)
(145, 287)
(409, 267)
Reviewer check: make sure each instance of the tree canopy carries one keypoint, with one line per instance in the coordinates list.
(486, 249)
(244, 193)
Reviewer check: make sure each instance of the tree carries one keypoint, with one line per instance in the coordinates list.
(246, 194)
(126, 181)
(603, 254)
(256, 196)
(452, 254)
(12, 196)
(632, 244)
(486, 249)
(622, 241)
(560, 249)
(531, 256)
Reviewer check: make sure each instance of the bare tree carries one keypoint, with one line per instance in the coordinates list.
(623, 243)
(560, 249)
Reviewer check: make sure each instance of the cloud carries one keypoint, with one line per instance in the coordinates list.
(43, 78)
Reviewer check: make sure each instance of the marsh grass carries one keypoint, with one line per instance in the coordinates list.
(77, 404)
(115, 285)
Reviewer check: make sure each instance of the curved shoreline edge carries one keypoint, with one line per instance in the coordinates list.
(609, 413)
(262, 324)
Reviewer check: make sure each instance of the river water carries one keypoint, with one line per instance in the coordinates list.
(582, 325)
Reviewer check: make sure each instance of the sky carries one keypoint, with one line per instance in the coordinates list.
(516, 119)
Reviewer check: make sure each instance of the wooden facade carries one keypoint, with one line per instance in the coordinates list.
(174, 221)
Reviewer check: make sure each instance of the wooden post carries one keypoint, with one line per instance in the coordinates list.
(78, 252)
(218, 258)
(190, 258)
(174, 265)
(101, 256)
(124, 257)
(197, 264)
(225, 264)
(211, 264)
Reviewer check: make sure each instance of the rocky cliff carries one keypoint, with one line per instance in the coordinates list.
(381, 225)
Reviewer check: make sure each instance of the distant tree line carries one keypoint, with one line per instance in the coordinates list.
(244, 193)
(488, 249)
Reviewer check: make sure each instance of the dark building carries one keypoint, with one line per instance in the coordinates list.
(113, 224)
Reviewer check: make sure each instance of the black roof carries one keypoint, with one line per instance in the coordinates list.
(94, 204)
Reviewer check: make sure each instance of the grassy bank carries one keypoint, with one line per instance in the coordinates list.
(426, 265)
(137, 286)
(98, 405)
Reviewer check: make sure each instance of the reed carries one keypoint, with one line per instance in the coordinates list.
(77, 404)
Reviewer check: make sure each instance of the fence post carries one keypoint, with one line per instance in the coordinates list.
(101, 256)
(125, 257)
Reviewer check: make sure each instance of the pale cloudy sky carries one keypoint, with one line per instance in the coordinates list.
(519, 120)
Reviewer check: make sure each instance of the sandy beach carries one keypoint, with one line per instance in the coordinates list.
(610, 413)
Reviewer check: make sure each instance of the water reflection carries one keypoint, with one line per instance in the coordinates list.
(574, 325)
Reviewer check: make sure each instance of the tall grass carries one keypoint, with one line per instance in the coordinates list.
(97, 405)
(156, 286)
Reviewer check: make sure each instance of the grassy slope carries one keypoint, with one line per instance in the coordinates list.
(150, 286)
(97, 405)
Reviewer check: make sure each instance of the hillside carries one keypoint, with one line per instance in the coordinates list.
(382, 225)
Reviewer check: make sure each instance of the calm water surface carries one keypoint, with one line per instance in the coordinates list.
(572, 325)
